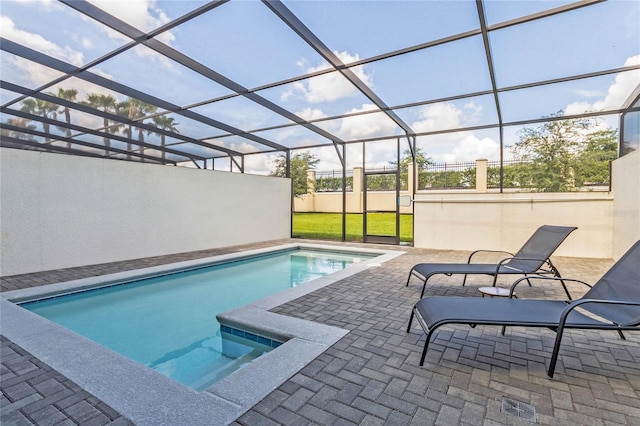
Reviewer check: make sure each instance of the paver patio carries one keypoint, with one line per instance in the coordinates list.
(371, 376)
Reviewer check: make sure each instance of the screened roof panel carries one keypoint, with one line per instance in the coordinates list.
(26, 73)
(241, 113)
(270, 76)
(245, 42)
(294, 136)
(320, 96)
(567, 44)
(364, 126)
(193, 128)
(500, 11)
(148, 71)
(191, 149)
(139, 15)
(36, 25)
(360, 31)
(236, 143)
(450, 69)
(7, 96)
(460, 113)
(596, 94)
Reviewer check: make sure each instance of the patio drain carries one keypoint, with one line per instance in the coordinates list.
(519, 409)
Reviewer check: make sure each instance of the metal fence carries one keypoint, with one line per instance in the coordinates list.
(519, 174)
(331, 181)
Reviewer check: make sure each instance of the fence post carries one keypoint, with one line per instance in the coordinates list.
(311, 181)
(481, 176)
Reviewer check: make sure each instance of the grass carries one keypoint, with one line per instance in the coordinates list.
(328, 226)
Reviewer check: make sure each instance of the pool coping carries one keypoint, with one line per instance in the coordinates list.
(148, 397)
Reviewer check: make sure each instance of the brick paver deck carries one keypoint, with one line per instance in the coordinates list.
(371, 376)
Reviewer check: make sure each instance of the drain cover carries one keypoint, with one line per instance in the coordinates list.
(519, 409)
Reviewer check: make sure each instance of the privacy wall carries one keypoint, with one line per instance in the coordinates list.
(59, 211)
(608, 222)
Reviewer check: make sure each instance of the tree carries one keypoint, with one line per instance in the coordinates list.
(68, 95)
(22, 123)
(105, 103)
(133, 109)
(42, 108)
(166, 123)
(563, 153)
(300, 163)
(422, 161)
(593, 163)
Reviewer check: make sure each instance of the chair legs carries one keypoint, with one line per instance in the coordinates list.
(410, 321)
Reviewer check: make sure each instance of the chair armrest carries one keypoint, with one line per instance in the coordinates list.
(577, 303)
(487, 251)
(538, 277)
(507, 259)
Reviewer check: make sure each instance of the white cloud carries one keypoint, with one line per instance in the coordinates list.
(327, 87)
(617, 93)
(142, 14)
(366, 125)
(311, 114)
(471, 148)
(446, 115)
(437, 117)
(39, 43)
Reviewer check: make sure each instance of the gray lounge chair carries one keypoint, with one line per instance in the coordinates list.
(614, 299)
(532, 258)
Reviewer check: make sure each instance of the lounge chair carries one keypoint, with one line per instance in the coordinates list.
(613, 303)
(532, 258)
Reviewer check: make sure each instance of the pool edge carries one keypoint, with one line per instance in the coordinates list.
(148, 396)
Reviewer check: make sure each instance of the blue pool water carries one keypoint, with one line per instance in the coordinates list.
(169, 322)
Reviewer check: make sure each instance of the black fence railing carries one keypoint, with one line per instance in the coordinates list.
(519, 174)
(331, 181)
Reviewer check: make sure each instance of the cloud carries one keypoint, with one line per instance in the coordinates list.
(142, 14)
(327, 87)
(311, 114)
(437, 117)
(446, 115)
(617, 93)
(471, 148)
(366, 125)
(39, 43)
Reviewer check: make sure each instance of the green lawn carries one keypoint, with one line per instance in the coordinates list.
(328, 226)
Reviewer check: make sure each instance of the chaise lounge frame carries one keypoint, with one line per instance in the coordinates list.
(613, 303)
(533, 258)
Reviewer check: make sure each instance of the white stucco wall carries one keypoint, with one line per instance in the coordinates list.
(505, 221)
(625, 179)
(59, 211)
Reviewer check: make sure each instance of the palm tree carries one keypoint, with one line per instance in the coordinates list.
(166, 123)
(42, 108)
(132, 109)
(23, 123)
(68, 95)
(106, 103)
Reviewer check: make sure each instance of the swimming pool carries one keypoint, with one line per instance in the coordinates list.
(149, 398)
(168, 322)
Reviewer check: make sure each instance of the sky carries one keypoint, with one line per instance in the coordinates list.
(247, 43)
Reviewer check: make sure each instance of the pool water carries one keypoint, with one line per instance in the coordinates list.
(169, 322)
